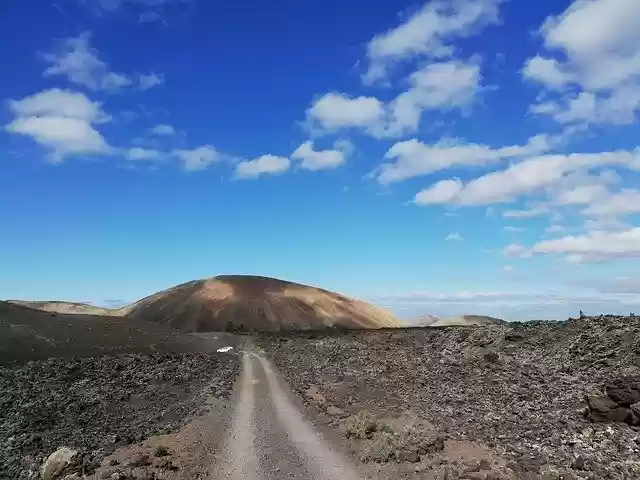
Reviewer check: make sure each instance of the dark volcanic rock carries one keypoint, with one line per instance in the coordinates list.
(519, 388)
(603, 409)
(624, 391)
(93, 405)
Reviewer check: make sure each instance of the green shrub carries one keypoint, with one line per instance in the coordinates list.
(361, 425)
(161, 451)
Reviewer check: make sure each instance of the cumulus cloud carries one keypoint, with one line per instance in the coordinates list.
(62, 121)
(439, 86)
(597, 72)
(611, 224)
(594, 246)
(265, 164)
(198, 158)
(529, 176)
(311, 159)
(162, 130)
(625, 202)
(412, 158)
(428, 33)
(335, 111)
(442, 192)
(582, 195)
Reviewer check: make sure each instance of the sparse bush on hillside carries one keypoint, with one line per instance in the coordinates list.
(361, 425)
(160, 451)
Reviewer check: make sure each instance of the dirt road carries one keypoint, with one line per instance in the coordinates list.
(269, 438)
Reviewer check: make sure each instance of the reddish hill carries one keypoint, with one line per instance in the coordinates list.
(251, 303)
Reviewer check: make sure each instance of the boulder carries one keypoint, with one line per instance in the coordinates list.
(624, 391)
(56, 463)
(604, 409)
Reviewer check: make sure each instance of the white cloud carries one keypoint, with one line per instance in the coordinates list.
(413, 158)
(163, 129)
(64, 136)
(610, 224)
(440, 86)
(532, 175)
(454, 237)
(512, 229)
(137, 153)
(61, 121)
(59, 103)
(265, 164)
(597, 41)
(546, 70)
(625, 202)
(145, 82)
(334, 111)
(594, 246)
(320, 159)
(198, 158)
(427, 32)
(75, 59)
(507, 268)
(516, 250)
(442, 192)
(582, 195)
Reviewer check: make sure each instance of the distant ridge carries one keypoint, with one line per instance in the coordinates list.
(467, 320)
(57, 306)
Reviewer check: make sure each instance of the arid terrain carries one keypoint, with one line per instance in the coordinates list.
(133, 398)
(513, 393)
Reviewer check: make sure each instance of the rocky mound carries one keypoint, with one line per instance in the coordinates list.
(250, 303)
(554, 399)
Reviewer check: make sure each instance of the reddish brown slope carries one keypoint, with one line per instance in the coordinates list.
(252, 303)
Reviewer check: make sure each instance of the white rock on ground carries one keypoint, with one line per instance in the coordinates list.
(56, 462)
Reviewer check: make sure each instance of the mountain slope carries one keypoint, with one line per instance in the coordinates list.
(251, 303)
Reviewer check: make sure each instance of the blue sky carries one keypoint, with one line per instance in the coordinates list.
(447, 157)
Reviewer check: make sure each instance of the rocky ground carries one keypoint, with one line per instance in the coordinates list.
(538, 400)
(95, 405)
